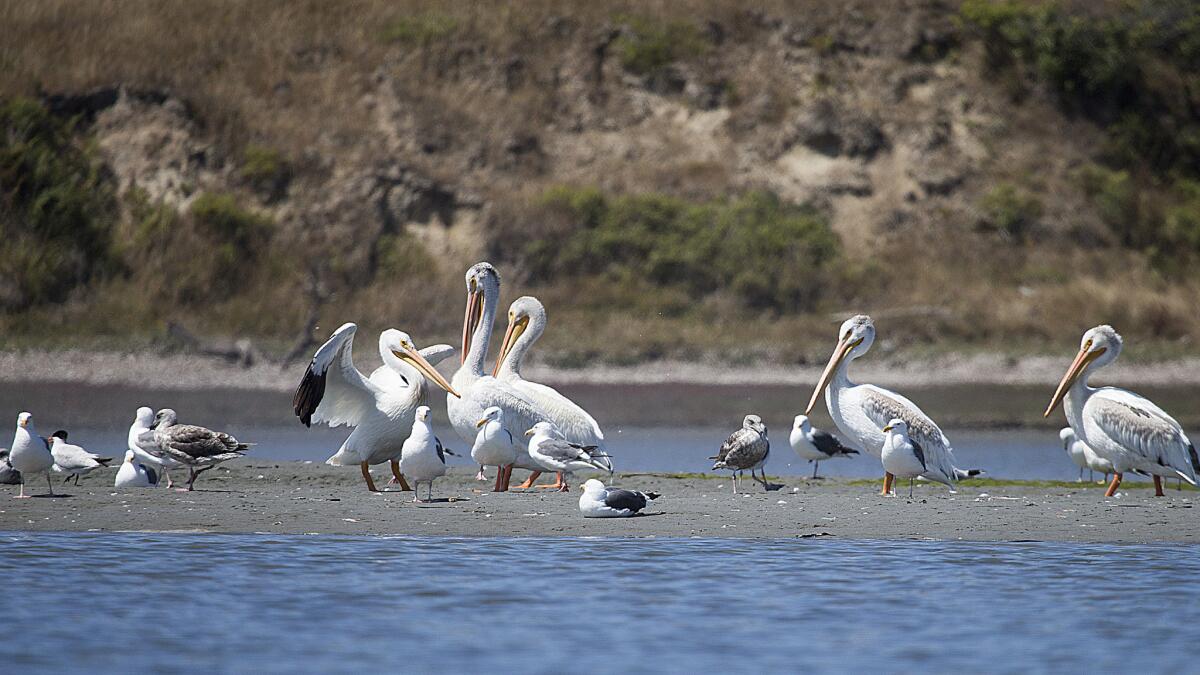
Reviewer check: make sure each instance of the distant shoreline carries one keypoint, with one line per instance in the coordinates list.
(156, 371)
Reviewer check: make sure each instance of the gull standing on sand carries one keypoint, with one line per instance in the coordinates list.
(479, 390)
(30, 454)
(526, 323)
(746, 448)
(380, 407)
(139, 434)
(903, 457)
(197, 448)
(495, 446)
(1119, 425)
(422, 458)
(73, 460)
(861, 411)
(815, 444)
(554, 453)
(134, 474)
(598, 501)
(1078, 450)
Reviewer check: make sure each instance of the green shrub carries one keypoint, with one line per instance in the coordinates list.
(266, 170)
(767, 253)
(57, 208)
(420, 29)
(648, 45)
(233, 237)
(1010, 210)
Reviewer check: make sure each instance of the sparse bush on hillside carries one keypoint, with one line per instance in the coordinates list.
(767, 253)
(56, 208)
(648, 45)
(266, 170)
(1010, 211)
(420, 29)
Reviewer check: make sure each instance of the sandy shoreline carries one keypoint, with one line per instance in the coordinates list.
(303, 498)
(152, 370)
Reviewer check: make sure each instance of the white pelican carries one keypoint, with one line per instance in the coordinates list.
(30, 454)
(495, 446)
(198, 448)
(554, 453)
(381, 407)
(746, 448)
(423, 458)
(861, 411)
(142, 422)
(479, 390)
(73, 460)
(526, 323)
(903, 457)
(1091, 461)
(815, 444)
(598, 501)
(134, 474)
(1119, 425)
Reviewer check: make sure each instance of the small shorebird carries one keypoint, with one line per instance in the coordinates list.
(598, 501)
(30, 454)
(815, 444)
(745, 449)
(423, 458)
(554, 453)
(903, 457)
(1119, 425)
(73, 460)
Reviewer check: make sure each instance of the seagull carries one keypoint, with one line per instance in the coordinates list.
(73, 460)
(198, 448)
(860, 411)
(8, 475)
(30, 453)
(598, 501)
(495, 446)
(1119, 425)
(904, 457)
(1074, 450)
(135, 474)
(815, 444)
(422, 458)
(554, 453)
(143, 421)
(746, 448)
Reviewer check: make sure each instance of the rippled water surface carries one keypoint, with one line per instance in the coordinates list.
(199, 602)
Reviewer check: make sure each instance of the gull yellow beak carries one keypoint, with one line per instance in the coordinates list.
(481, 423)
(414, 357)
(529, 433)
(471, 319)
(839, 354)
(1082, 359)
(514, 331)
(888, 428)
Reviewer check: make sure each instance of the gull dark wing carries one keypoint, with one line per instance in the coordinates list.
(617, 498)
(150, 473)
(437, 443)
(198, 442)
(829, 444)
(918, 452)
(565, 451)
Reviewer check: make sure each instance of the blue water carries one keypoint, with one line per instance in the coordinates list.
(84, 602)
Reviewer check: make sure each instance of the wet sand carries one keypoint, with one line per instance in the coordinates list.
(300, 498)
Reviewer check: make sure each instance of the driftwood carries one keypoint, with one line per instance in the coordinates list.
(240, 351)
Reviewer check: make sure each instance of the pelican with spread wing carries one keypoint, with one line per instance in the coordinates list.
(381, 408)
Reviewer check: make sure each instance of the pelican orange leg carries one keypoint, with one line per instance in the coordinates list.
(398, 477)
(529, 481)
(887, 484)
(1158, 487)
(1112, 487)
(366, 472)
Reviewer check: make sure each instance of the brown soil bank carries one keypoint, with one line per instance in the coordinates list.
(310, 498)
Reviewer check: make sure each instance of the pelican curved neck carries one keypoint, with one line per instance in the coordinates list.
(511, 367)
(483, 332)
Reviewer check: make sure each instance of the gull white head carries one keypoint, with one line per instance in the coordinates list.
(593, 486)
(399, 351)
(1099, 347)
(423, 414)
(144, 417)
(25, 420)
(1066, 435)
(492, 414)
(526, 313)
(129, 457)
(855, 338)
(754, 423)
(483, 283)
(801, 422)
(542, 429)
(897, 426)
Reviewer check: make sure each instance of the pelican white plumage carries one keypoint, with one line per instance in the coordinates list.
(30, 454)
(861, 411)
(479, 390)
(141, 442)
(1119, 425)
(526, 323)
(381, 408)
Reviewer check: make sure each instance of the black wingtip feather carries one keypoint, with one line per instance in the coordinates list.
(308, 395)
